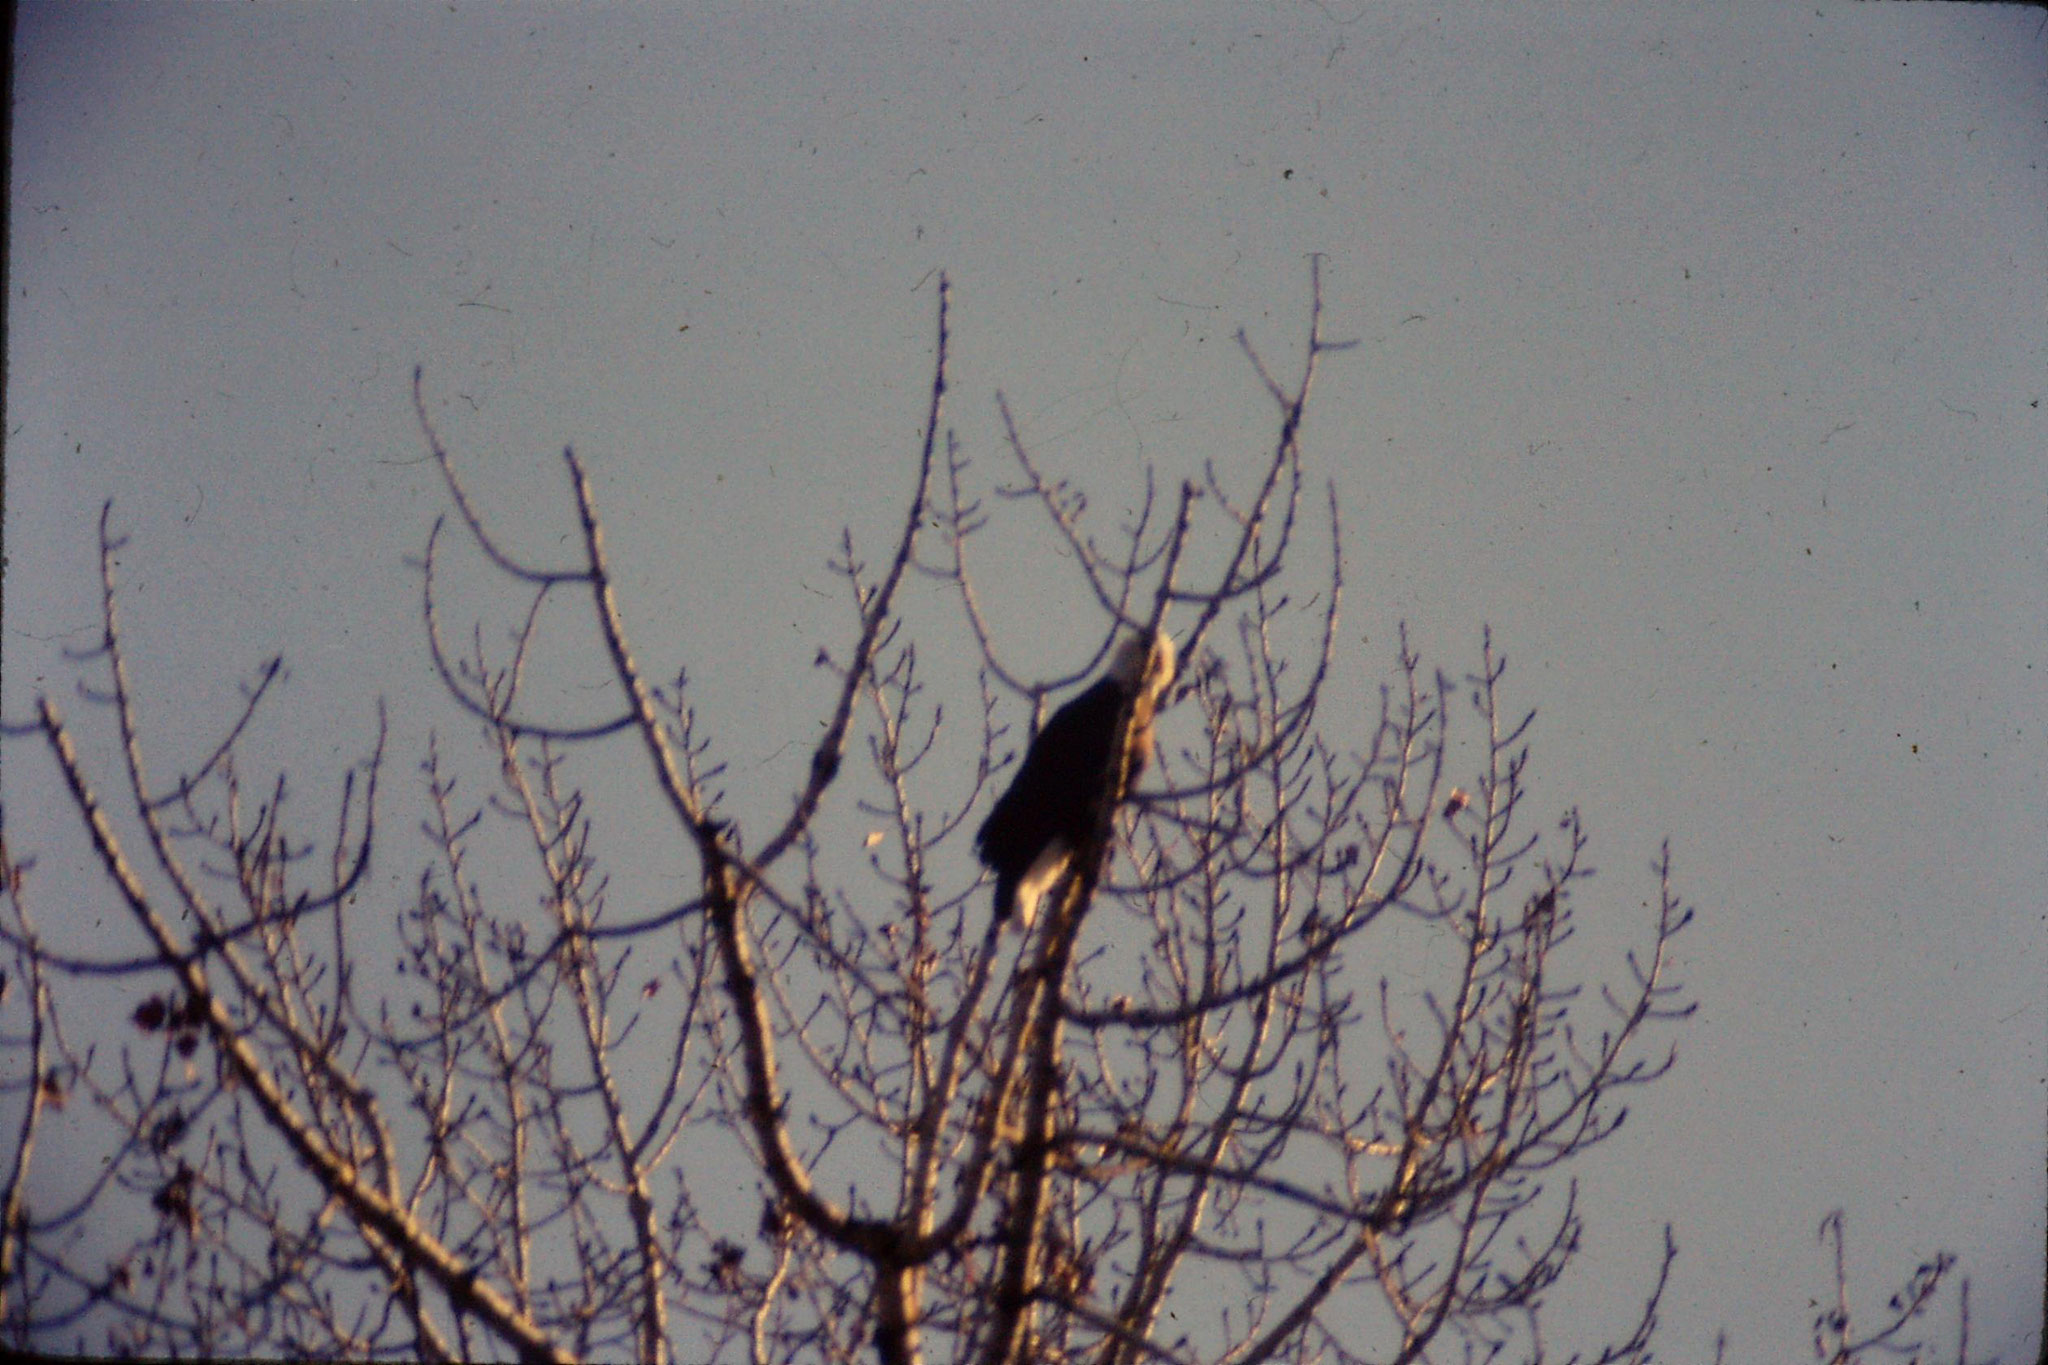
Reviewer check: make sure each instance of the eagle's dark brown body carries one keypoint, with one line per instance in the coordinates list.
(1048, 812)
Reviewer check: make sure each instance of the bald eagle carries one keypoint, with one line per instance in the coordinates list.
(1030, 838)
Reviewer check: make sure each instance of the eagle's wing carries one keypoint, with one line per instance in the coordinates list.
(1053, 795)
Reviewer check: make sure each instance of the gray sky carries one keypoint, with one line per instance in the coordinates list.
(1702, 356)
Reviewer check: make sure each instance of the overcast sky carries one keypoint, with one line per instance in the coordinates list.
(1702, 357)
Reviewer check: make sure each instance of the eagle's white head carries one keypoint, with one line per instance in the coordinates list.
(1145, 664)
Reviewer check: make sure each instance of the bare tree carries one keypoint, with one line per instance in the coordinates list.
(1843, 1338)
(849, 1117)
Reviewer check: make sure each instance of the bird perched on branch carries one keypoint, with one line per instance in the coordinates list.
(1030, 838)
